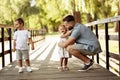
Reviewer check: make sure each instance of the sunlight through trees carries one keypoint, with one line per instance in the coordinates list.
(48, 13)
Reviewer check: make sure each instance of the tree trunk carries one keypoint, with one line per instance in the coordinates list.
(89, 18)
(77, 16)
(116, 29)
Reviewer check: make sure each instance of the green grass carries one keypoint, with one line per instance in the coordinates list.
(113, 46)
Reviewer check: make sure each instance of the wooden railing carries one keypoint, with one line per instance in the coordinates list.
(6, 35)
(107, 37)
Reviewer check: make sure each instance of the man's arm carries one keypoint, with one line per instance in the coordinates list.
(68, 42)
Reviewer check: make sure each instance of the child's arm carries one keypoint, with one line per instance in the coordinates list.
(32, 43)
(14, 45)
(66, 34)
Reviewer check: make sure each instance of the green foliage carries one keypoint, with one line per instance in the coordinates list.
(49, 13)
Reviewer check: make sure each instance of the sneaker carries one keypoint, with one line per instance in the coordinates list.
(29, 69)
(60, 68)
(20, 70)
(87, 67)
(66, 68)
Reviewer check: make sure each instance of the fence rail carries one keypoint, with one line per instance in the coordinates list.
(107, 38)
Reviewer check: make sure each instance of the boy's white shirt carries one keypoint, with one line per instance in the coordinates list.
(21, 37)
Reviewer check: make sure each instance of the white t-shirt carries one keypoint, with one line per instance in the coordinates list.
(21, 37)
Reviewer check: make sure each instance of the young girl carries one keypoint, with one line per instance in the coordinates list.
(63, 53)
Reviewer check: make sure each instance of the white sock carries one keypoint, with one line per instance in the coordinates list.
(87, 63)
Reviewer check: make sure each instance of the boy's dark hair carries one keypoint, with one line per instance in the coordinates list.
(20, 20)
(69, 18)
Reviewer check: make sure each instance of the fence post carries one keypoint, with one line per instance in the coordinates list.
(3, 57)
(91, 27)
(10, 42)
(107, 45)
(96, 31)
(119, 43)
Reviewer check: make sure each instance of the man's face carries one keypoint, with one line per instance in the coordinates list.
(69, 25)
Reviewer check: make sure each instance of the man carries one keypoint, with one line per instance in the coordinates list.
(82, 42)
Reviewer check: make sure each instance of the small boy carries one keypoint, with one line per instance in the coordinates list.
(20, 44)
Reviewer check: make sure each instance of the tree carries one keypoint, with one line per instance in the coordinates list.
(116, 29)
(5, 11)
(49, 13)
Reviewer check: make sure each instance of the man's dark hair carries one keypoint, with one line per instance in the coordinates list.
(20, 20)
(68, 18)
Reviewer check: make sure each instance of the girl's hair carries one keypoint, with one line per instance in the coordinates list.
(61, 25)
(20, 20)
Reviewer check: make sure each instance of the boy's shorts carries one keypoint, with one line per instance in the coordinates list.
(80, 47)
(20, 54)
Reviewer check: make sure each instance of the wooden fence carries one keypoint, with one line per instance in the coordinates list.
(110, 56)
(6, 35)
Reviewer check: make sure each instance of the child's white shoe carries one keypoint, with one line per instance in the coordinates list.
(29, 69)
(60, 68)
(20, 70)
(66, 68)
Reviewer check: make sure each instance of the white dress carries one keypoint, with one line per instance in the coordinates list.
(63, 53)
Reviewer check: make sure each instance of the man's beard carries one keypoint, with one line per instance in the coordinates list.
(70, 28)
